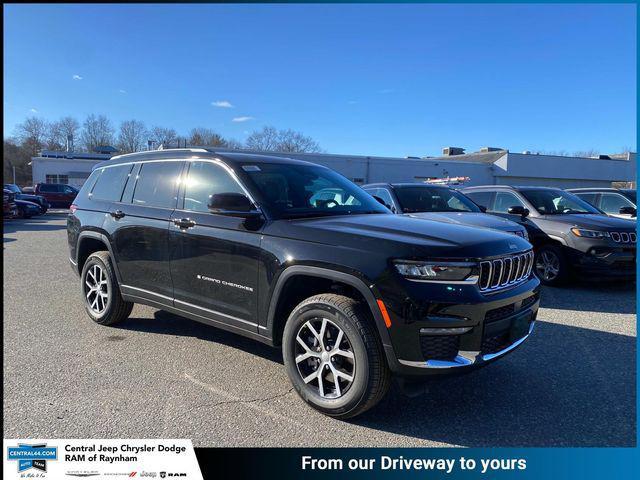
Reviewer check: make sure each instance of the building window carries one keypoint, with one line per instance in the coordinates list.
(53, 178)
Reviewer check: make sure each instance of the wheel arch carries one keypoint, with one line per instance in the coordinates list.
(90, 242)
(280, 302)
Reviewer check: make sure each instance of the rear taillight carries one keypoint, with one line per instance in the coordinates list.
(73, 208)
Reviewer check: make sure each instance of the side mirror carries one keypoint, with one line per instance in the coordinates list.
(518, 210)
(232, 204)
(629, 211)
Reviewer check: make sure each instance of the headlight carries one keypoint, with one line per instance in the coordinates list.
(436, 271)
(580, 232)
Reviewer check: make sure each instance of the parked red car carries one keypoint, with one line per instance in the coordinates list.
(57, 194)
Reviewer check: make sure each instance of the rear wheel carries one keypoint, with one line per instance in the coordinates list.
(551, 265)
(102, 299)
(333, 356)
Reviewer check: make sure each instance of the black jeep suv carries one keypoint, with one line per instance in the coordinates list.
(256, 245)
(569, 235)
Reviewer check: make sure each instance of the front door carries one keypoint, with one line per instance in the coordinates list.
(214, 262)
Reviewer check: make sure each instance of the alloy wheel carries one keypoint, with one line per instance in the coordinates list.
(96, 289)
(548, 266)
(324, 357)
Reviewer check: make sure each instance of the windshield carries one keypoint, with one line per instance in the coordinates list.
(297, 191)
(433, 199)
(13, 187)
(555, 202)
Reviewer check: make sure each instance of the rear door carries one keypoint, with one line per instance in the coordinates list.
(140, 229)
(215, 258)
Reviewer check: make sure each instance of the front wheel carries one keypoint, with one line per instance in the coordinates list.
(334, 357)
(551, 265)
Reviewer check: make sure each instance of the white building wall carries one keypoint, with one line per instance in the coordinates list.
(42, 166)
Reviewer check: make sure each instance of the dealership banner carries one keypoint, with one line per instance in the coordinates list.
(99, 459)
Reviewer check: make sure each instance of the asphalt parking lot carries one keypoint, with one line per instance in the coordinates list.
(573, 383)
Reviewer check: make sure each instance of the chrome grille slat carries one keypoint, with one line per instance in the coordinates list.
(623, 237)
(504, 272)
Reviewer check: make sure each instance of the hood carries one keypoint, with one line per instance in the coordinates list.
(28, 196)
(593, 221)
(475, 219)
(400, 236)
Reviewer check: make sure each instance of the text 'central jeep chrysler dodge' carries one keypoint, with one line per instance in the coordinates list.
(294, 255)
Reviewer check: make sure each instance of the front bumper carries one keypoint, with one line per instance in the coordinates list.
(486, 327)
(604, 262)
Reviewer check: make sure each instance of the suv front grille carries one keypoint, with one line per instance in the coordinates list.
(505, 271)
(623, 237)
(439, 347)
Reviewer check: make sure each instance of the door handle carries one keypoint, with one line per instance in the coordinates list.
(184, 222)
(117, 214)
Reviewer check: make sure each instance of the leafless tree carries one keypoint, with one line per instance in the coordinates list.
(60, 130)
(265, 139)
(205, 137)
(132, 136)
(586, 153)
(32, 134)
(274, 140)
(233, 144)
(96, 131)
(166, 137)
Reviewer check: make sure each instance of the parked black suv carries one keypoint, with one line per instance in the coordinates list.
(569, 235)
(252, 244)
(440, 203)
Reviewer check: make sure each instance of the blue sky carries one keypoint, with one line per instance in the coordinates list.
(360, 79)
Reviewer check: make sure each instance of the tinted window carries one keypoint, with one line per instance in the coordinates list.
(630, 194)
(291, 191)
(157, 184)
(206, 179)
(47, 188)
(613, 202)
(504, 201)
(110, 183)
(480, 198)
(588, 197)
(433, 199)
(554, 202)
(385, 195)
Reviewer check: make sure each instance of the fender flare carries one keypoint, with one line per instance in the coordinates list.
(342, 277)
(104, 239)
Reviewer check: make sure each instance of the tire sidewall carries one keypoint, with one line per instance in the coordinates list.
(358, 389)
(95, 260)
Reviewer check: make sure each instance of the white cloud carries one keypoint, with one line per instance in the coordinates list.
(222, 104)
(77, 77)
(33, 110)
(352, 102)
(124, 92)
(241, 119)
(386, 90)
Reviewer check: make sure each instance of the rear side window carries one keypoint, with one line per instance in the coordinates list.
(48, 188)
(481, 198)
(110, 183)
(588, 197)
(157, 184)
(207, 179)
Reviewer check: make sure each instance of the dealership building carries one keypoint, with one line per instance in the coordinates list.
(489, 166)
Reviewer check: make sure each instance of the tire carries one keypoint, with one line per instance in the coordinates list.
(551, 255)
(104, 309)
(22, 213)
(367, 367)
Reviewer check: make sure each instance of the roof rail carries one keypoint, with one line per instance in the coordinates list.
(195, 150)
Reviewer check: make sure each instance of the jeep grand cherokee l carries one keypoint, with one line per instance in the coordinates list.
(570, 236)
(440, 203)
(253, 244)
